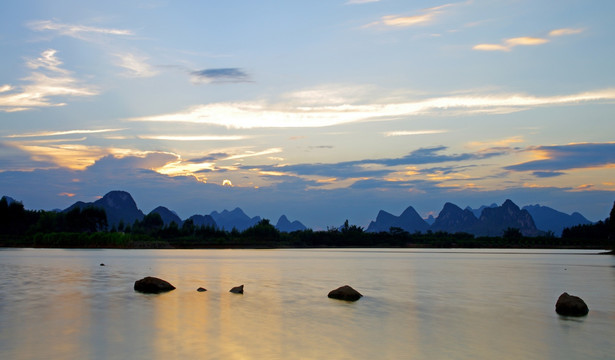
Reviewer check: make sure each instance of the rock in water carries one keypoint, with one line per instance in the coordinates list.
(237, 290)
(570, 305)
(201, 289)
(152, 285)
(345, 293)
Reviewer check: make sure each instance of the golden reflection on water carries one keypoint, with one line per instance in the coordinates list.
(416, 305)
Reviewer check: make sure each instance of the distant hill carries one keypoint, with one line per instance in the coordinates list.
(548, 219)
(119, 206)
(478, 212)
(493, 221)
(203, 220)
(167, 216)
(227, 220)
(284, 225)
(453, 219)
(409, 221)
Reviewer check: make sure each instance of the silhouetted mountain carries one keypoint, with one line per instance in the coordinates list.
(284, 225)
(493, 221)
(203, 220)
(409, 221)
(453, 219)
(167, 216)
(478, 212)
(227, 220)
(430, 220)
(548, 219)
(119, 206)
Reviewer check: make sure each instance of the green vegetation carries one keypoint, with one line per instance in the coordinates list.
(88, 228)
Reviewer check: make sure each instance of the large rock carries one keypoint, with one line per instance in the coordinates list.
(570, 305)
(345, 293)
(237, 289)
(152, 285)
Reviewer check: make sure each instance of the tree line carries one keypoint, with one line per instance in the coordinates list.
(88, 228)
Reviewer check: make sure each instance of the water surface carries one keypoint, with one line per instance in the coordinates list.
(418, 304)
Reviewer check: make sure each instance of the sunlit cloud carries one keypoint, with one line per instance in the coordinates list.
(246, 115)
(411, 133)
(76, 31)
(508, 44)
(135, 65)
(565, 31)
(61, 133)
(227, 182)
(48, 80)
(426, 16)
(67, 194)
(497, 143)
(556, 158)
(195, 137)
(254, 154)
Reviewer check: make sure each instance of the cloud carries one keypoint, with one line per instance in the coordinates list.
(135, 65)
(565, 31)
(508, 44)
(47, 81)
(194, 137)
(426, 16)
(61, 133)
(222, 75)
(547, 174)
(412, 133)
(248, 115)
(553, 159)
(82, 32)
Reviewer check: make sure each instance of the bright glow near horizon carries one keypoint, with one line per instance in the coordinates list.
(321, 111)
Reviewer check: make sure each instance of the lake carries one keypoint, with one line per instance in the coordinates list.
(417, 304)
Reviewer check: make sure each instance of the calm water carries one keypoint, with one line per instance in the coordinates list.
(418, 304)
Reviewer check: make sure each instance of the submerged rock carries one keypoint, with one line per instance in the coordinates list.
(152, 285)
(345, 293)
(237, 289)
(570, 305)
(201, 289)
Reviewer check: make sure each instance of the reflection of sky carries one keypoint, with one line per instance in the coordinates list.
(352, 105)
(419, 303)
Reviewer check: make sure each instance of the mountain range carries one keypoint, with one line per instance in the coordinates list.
(492, 220)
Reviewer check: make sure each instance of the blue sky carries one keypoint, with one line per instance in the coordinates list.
(323, 111)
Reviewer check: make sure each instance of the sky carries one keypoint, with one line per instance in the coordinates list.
(319, 110)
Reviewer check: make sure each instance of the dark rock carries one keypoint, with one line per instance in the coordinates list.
(570, 305)
(345, 293)
(201, 289)
(152, 285)
(101, 264)
(237, 289)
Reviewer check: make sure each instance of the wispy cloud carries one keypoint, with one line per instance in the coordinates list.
(47, 80)
(424, 17)
(508, 44)
(61, 133)
(411, 133)
(222, 75)
(194, 137)
(263, 115)
(135, 65)
(565, 31)
(555, 158)
(82, 32)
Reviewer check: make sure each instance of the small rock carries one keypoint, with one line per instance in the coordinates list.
(201, 289)
(345, 293)
(101, 264)
(570, 305)
(152, 285)
(237, 289)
